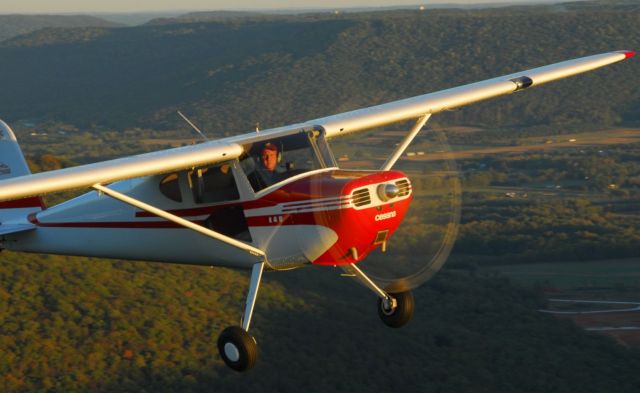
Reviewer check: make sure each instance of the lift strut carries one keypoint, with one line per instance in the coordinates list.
(256, 271)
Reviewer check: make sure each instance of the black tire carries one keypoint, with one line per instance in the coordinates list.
(401, 314)
(237, 348)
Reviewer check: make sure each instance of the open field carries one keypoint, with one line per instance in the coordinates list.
(539, 144)
(563, 276)
(173, 142)
(622, 322)
(375, 146)
(607, 293)
(624, 327)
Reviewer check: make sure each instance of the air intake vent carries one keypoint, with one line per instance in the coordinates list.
(404, 187)
(361, 197)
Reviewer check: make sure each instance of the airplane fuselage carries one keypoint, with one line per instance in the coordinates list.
(328, 216)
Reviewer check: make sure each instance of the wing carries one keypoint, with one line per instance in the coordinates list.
(344, 123)
(123, 168)
(457, 97)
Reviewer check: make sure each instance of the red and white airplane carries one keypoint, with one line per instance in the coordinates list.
(273, 199)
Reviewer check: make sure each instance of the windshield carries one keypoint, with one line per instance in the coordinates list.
(271, 161)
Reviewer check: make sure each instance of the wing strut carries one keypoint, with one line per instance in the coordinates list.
(237, 347)
(406, 142)
(180, 221)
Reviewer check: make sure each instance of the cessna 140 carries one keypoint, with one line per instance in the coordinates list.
(274, 199)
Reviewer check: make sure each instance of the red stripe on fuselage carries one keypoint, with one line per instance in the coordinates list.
(109, 224)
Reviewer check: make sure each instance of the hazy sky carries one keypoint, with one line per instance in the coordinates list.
(68, 6)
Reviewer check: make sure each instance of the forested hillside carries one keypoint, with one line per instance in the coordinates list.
(96, 326)
(232, 74)
(15, 25)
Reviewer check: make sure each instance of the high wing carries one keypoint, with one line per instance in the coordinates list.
(123, 168)
(457, 97)
(336, 125)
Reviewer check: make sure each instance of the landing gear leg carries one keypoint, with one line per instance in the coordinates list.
(395, 309)
(237, 347)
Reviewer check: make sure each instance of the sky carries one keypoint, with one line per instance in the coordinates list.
(94, 6)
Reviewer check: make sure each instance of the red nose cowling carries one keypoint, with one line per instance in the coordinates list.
(350, 205)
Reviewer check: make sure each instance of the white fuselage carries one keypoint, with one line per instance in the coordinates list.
(99, 226)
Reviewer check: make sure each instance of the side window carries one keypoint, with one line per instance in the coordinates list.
(170, 187)
(213, 184)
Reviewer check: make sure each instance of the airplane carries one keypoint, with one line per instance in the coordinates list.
(274, 199)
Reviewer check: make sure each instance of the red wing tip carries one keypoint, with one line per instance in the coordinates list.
(628, 53)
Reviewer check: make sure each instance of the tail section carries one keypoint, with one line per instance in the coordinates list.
(13, 164)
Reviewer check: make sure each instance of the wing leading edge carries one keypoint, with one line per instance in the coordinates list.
(336, 125)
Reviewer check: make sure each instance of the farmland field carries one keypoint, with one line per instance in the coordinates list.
(584, 276)
(606, 293)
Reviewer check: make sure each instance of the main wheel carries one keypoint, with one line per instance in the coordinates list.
(399, 314)
(237, 348)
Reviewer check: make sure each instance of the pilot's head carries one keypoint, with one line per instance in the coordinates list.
(269, 157)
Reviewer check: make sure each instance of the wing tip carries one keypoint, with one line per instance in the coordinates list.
(628, 53)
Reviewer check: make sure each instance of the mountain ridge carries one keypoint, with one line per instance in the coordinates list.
(13, 25)
(232, 74)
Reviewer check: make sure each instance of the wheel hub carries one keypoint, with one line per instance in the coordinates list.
(231, 352)
(389, 305)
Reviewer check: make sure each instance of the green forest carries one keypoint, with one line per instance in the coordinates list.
(232, 73)
(81, 95)
(88, 325)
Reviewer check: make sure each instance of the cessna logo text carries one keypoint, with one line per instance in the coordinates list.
(385, 216)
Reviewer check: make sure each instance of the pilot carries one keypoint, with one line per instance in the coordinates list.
(266, 172)
(269, 157)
